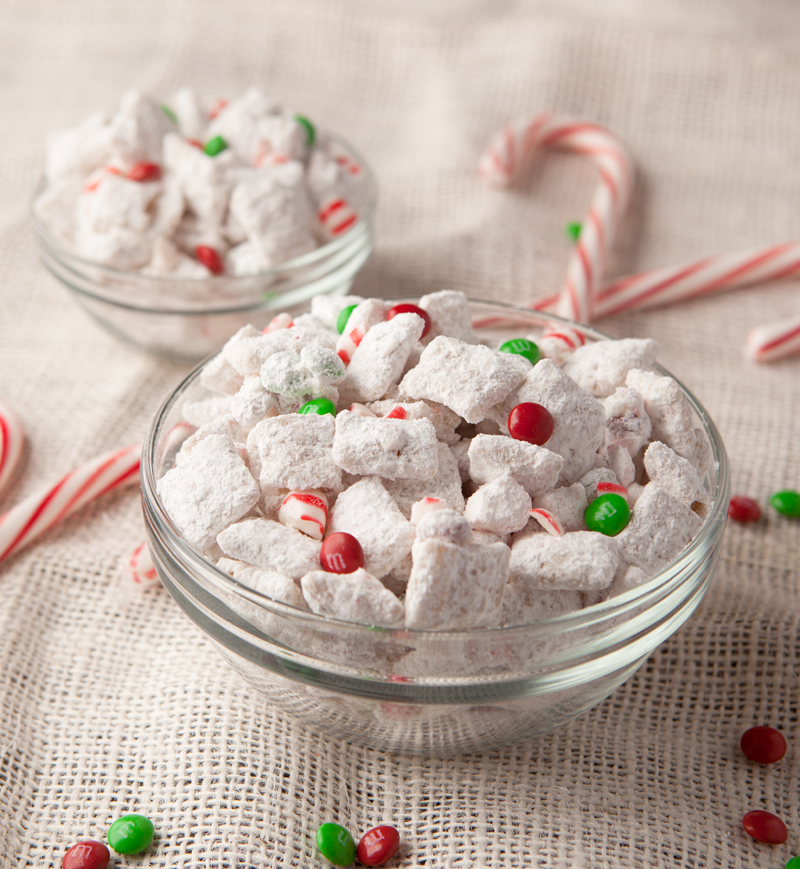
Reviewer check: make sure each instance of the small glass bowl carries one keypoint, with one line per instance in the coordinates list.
(471, 689)
(186, 319)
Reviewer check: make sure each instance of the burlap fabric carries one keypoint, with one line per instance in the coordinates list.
(111, 705)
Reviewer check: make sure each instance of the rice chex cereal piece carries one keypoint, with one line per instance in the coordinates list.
(536, 469)
(445, 524)
(210, 489)
(270, 546)
(354, 597)
(444, 420)
(206, 410)
(567, 504)
(627, 422)
(582, 561)
(445, 485)
(601, 366)
(659, 529)
(310, 372)
(455, 587)
(378, 361)
(220, 376)
(293, 452)
(620, 462)
(392, 448)
(678, 476)
(467, 378)
(578, 417)
(270, 583)
(251, 403)
(368, 512)
(501, 506)
(225, 424)
(524, 604)
(450, 315)
(249, 349)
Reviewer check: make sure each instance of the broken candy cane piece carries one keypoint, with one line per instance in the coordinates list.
(282, 321)
(548, 521)
(425, 506)
(305, 511)
(336, 216)
(774, 340)
(603, 488)
(12, 438)
(41, 511)
(141, 569)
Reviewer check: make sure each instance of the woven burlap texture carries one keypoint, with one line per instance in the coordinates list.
(112, 704)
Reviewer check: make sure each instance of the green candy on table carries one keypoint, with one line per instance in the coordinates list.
(319, 406)
(215, 146)
(336, 844)
(786, 502)
(608, 514)
(311, 133)
(522, 347)
(574, 230)
(344, 316)
(794, 863)
(131, 834)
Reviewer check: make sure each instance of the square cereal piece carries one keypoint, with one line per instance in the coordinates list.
(536, 469)
(600, 367)
(209, 489)
(368, 512)
(294, 451)
(678, 476)
(249, 349)
(450, 315)
(353, 597)
(271, 546)
(378, 361)
(660, 528)
(444, 420)
(501, 506)
(456, 587)
(392, 448)
(467, 378)
(578, 417)
(270, 583)
(581, 561)
(445, 485)
(627, 422)
(568, 504)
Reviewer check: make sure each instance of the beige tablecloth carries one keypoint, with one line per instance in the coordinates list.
(110, 705)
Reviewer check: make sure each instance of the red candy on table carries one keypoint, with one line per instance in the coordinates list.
(341, 553)
(88, 854)
(744, 509)
(411, 309)
(378, 845)
(145, 172)
(209, 258)
(765, 827)
(530, 422)
(763, 744)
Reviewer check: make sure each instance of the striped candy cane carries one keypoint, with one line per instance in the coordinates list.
(509, 151)
(12, 438)
(41, 511)
(141, 570)
(774, 340)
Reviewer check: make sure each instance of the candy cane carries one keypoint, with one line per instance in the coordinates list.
(508, 152)
(12, 438)
(141, 570)
(41, 511)
(774, 340)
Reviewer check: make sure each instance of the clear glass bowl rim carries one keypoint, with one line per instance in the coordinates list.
(596, 613)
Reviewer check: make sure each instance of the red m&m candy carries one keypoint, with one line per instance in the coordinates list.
(86, 855)
(144, 172)
(744, 509)
(378, 845)
(341, 553)
(763, 744)
(530, 422)
(765, 827)
(209, 258)
(411, 309)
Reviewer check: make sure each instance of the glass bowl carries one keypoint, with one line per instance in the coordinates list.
(186, 319)
(470, 689)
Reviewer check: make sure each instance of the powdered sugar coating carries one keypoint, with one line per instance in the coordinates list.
(269, 545)
(356, 597)
(536, 469)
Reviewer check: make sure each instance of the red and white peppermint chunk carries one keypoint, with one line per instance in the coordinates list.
(305, 511)
(548, 521)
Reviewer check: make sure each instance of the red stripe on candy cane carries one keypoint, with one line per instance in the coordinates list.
(548, 521)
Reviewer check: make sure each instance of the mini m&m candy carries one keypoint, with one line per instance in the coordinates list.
(378, 845)
(411, 309)
(131, 834)
(319, 406)
(341, 553)
(336, 844)
(786, 502)
(530, 422)
(311, 133)
(344, 316)
(142, 172)
(608, 514)
(763, 744)
(215, 146)
(209, 258)
(522, 347)
(794, 863)
(744, 509)
(765, 827)
(88, 854)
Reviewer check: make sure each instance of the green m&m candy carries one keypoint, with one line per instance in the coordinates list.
(522, 347)
(215, 146)
(130, 834)
(573, 230)
(794, 863)
(786, 502)
(311, 133)
(336, 844)
(344, 316)
(319, 406)
(608, 514)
